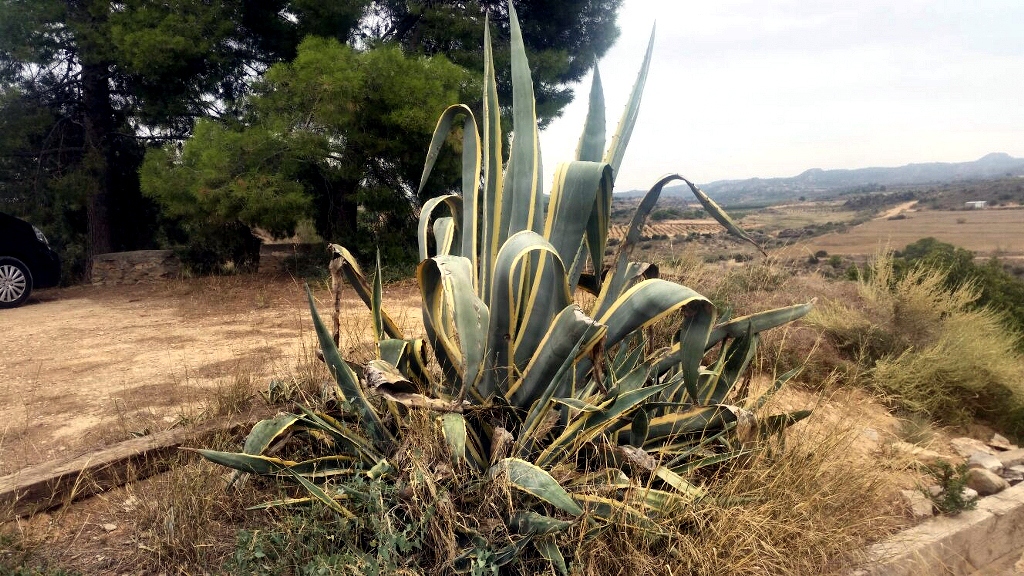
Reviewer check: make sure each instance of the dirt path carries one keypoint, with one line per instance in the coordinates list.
(895, 210)
(86, 366)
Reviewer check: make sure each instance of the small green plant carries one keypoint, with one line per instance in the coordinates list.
(952, 481)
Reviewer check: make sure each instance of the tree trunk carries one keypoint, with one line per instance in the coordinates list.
(99, 128)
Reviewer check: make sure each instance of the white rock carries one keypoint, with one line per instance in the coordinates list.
(966, 446)
(1000, 442)
(919, 504)
(1011, 457)
(969, 494)
(108, 527)
(986, 461)
(985, 482)
(870, 434)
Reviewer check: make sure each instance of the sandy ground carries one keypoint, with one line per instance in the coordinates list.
(87, 366)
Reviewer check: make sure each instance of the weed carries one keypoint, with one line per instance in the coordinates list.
(952, 481)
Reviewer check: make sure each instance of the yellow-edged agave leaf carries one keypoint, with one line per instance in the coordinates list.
(689, 350)
(660, 501)
(266, 431)
(535, 481)
(701, 419)
(453, 204)
(717, 213)
(444, 235)
(616, 511)
(523, 303)
(579, 188)
(450, 299)
(322, 496)
(281, 502)
(494, 219)
(617, 280)
(251, 463)
(529, 522)
(591, 145)
(678, 482)
(325, 467)
(348, 383)
(453, 427)
(548, 549)
(410, 357)
(648, 302)
(340, 433)
(524, 171)
(570, 335)
(737, 359)
(590, 425)
(470, 172)
(343, 259)
(617, 147)
(758, 322)
(376, 303)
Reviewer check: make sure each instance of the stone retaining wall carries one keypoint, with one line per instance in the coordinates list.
(134, 267)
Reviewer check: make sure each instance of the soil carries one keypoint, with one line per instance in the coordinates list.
(86, 366)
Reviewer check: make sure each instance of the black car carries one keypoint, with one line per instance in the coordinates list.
(26, 261)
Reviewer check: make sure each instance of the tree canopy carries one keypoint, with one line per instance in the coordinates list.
(86, 86)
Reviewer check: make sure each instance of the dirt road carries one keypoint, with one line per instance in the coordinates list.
(85, 366)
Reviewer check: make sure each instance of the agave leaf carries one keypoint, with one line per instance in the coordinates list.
(524, 169)
(638, 429)
(591, 143)
(348, 384)
(535, 481)
(340, 432)
(580, 193)
(578, 405)
(522, 307)
(570, 335)
(281, 502)
(548, 549)
(687, 354)
(617, 148)
(444, 235)
(324, 467)
(717, 213)
(343, 260)
(375, 306)
(251, 463)
(777, 423)
(617, 280)
(618, 512)
(446, 286)
(470, 145)
(266, 431)
(446, 232)
(529, 522)
(679, 483)
(322, 496)
(700, 420)
(709, 461)
(737, 357)
(757, 322)
(660, 501)
(453, 426)
(648, 302)
(493, 221)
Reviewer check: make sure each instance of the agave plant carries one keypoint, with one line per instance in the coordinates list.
(529, 384)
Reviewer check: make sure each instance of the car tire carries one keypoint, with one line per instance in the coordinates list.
(15, 282)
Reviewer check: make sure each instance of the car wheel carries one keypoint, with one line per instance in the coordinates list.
(15, 282)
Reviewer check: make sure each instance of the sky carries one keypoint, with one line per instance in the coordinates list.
(770, 88)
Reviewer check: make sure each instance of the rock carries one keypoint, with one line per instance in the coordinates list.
(919, 504)
(134, 267)
(969, 494)
(966, 446)
(1001, 443)
(1011, 457)
(922, 455)
(870, 434)
(108, 527)
(986, 461)
(935, 489)
(985, 482)
(1013, 476)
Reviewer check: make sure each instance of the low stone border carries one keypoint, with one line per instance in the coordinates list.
(134, 267)
(959, 544)
(59, 482)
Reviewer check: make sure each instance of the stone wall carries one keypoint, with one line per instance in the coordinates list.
(135, 267)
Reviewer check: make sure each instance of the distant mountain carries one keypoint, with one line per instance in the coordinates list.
(817, 182)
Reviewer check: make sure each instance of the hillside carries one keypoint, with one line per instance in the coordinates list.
(818, 183)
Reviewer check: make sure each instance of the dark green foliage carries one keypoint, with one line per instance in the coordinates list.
(1000, 290)
(952, 481)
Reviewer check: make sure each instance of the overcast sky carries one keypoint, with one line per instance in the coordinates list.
(745, 88)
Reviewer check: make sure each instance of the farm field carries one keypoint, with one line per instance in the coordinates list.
(985, 232)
